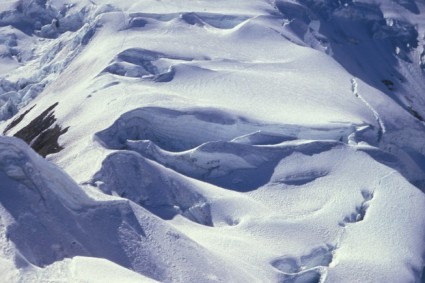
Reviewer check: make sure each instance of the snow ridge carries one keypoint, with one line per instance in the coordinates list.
(381, 125)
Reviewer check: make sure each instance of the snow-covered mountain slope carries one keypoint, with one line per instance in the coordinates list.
(204, 141)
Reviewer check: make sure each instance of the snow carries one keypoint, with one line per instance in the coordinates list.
(114, 229)
(82, 269)
(205, 141)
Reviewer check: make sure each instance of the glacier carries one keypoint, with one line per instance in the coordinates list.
(212, 141)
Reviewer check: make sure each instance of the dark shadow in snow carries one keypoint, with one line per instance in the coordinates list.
(181, 130)
(191, 19)
(321, 256)
(419, 159)
(415, 113)
(162, 192)
(306, 268)
(42, 133)
(230, 165)
(39, 124)
(146, 64)
(213, 146)
(409, 5)
(303, 178)
(171, 130)
(47, 142)
(137, 22)
(358, 36)
(360, 210)
(51, 218)
(397, 164)
(310, 276)
(241, 180)
(220, 21)
(165, 77)
(287, 265)
(17, 120)
(110, 85)
(263, 138)
(382, 157)
(42, 19)
(46, 231)
(422, 275)
(227, 175)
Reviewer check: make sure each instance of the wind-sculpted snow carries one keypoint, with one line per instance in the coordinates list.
(216, 147)
(310, 267)
(42, 133)
(52, 219)
(212, 141)
(220, 21)
(141, 63)
(194, 143)
(57, 33)
(368, 39)
(42, 18)
(175, 130)
(274, 175)
(164, 193)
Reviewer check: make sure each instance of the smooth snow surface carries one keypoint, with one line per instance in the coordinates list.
(212, 141)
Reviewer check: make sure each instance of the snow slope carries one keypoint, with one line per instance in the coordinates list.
(199, 141)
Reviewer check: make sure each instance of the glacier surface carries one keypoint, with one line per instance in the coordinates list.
(212, 141)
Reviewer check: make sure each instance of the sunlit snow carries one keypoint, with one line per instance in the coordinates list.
(212, 141)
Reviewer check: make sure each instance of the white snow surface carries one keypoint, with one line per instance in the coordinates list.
(212, 141)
